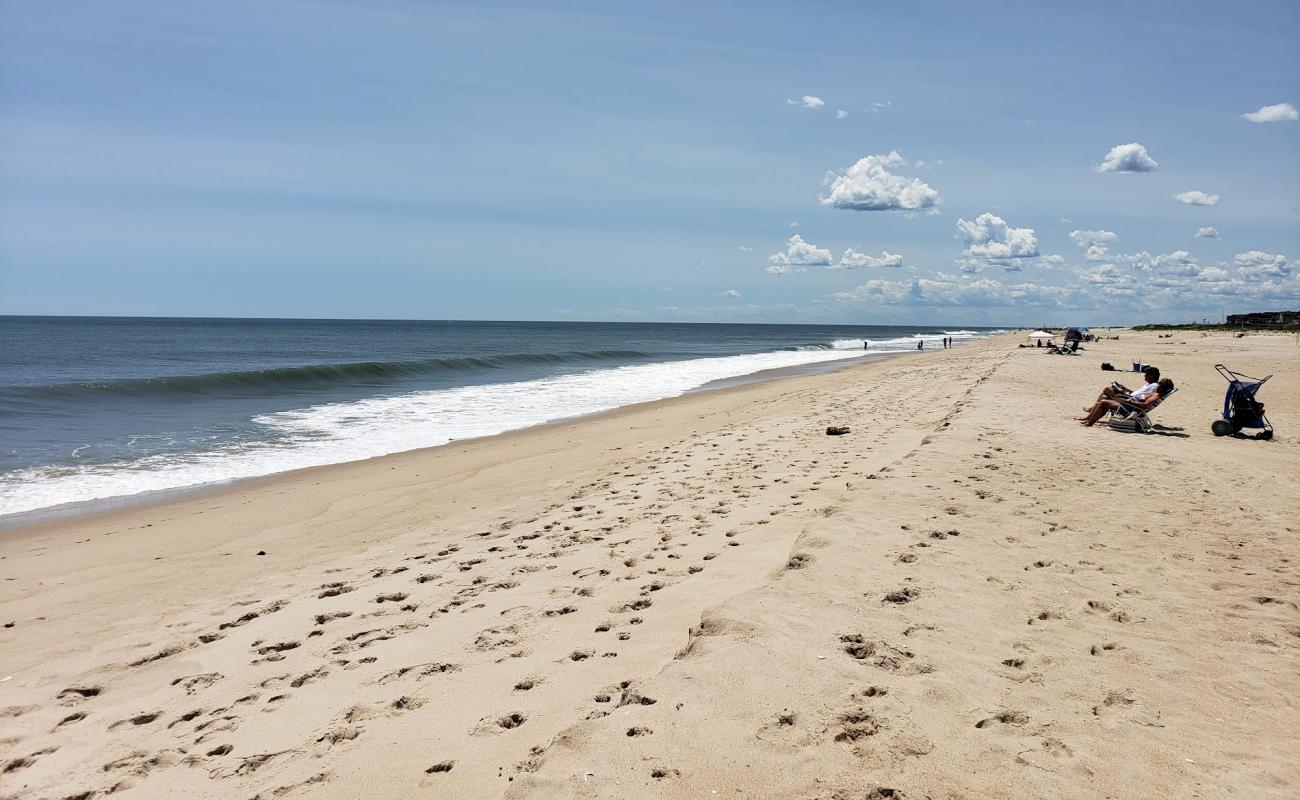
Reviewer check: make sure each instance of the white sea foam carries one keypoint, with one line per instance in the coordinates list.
(333, 433)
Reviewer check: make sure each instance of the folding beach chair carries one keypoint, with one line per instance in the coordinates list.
(1139, 417)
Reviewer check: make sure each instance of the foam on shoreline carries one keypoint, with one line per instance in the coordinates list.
(339, 432)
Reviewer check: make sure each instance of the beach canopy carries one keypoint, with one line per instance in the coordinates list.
(1042, 335)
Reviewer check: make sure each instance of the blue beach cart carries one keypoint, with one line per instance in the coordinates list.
(1240, 407)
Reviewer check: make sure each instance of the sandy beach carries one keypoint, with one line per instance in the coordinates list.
(967, 596)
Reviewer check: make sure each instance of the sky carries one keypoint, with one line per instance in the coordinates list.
(911, 163)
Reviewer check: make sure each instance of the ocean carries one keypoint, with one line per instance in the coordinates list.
(99, 408)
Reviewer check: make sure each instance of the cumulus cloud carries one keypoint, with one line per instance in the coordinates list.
(1258, 264)
(1212, 275)
(798, 256)
(1179, 262)
(808, 101)
(1130, 157)
(732, 293)
(1095, 244)
(1207, 233)
(868, 185)
(1281, 112)
(852, 259)
(1197, 198)
(1110, 282)
(841, 113)
(990, 238)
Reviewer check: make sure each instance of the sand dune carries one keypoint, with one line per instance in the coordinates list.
(966, 596)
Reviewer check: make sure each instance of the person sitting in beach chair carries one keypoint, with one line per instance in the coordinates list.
(1139, 415)
(1118, 391)
(1134, 407)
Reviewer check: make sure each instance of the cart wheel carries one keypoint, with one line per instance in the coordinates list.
(1221, 427)
(1266, 435)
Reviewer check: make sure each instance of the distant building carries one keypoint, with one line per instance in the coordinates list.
(1266, 318)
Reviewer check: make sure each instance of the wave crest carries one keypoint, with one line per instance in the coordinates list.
(258, 382)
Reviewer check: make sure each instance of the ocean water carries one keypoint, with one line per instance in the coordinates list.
(94, 408)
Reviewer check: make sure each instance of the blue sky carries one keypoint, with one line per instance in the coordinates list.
(650, 161)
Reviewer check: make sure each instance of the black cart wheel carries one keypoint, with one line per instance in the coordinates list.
(1221, 427)
(1266, 435)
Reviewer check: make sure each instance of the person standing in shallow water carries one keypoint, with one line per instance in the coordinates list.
(920, 344)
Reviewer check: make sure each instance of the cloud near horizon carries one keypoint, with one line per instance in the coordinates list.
(1130, 157)
(1207, 233)
(869, 185)
(852, 259)
(947, 290)
(798, 256)
(1257, 264)
(1282, 112)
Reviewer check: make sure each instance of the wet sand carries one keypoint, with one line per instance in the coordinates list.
(968, 595)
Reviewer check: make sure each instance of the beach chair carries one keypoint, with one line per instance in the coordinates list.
(1140, 419)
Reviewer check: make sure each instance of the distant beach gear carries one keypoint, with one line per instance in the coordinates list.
(1240, 407)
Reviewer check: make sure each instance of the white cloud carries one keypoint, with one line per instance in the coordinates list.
(878, 107)
(948, 290)
(989, 237)
(852, 259)
(1179, 262)
(732, 293)
(1130, 157)
(797, 256)
(745, 249)
(1207, 233)
(1194, 197)
(1278, 113)
(1095, 244)
(1212, 275)
(841, 113)
(868, 185)
(1258, 264)
(811, 101)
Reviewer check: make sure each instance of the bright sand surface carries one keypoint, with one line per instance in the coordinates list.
(968, 596)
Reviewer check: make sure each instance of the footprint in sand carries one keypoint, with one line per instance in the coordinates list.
(79, 693)
(1003, 718)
